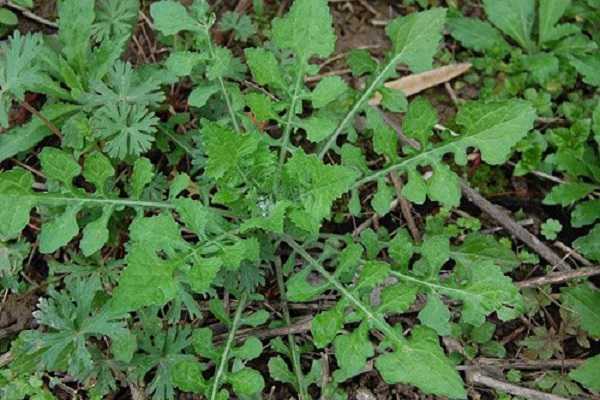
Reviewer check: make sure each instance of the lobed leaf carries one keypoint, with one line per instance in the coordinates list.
(422, 363)
(585, 302)
(513, 17)
(316, 38)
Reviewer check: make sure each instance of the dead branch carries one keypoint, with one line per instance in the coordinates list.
(28, 14)
(560, 277)
(513, 227)
(480, 379)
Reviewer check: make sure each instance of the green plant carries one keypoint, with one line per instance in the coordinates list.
(8, 17)
(143, 219)
(553, 44)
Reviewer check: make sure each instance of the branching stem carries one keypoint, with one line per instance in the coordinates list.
(379, 322)
(230, 338)
(302, 393)
(290, 115)
(360, 103)
(213, 54)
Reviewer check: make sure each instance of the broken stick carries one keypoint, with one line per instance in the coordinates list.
(513, 227)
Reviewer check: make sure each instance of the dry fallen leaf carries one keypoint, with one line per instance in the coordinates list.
(413, 84)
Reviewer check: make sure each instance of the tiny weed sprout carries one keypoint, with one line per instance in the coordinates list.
(299, 199)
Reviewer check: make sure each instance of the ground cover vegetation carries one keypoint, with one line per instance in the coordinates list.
(299, 199)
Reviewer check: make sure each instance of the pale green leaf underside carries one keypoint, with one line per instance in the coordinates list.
(588, 374)
(422, 363)
(550, 12)
(306, 29)
(585, 302)
(476, 34)
(487, 290)
(513, 17)
(415, 38)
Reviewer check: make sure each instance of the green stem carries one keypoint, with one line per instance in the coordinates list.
(203, 248)
(290, 115)
(230, 338)
(101, 202)
(55, 200)
(175, 140)
(359, 104)
(433, 286)
(211, 50)
(399, 275)
(378, 322)
(433, 153)
(229, 106)
(459, 293)
(302, 392)
(400, 165)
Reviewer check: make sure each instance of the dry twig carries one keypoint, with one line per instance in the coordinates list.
(5, 359)
(28, 14)
(572, 253)
(526, 365)
(480, 379)
(405, 208)
(513, 227)
(42, 118)
(301, 326)
(560, 277)
(136, 392)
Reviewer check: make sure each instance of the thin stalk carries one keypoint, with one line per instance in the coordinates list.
(202, 248)
(211, 50)
(229, 106)
(339, 286)
(383, 172)
(433, 286)
(358, 105)
(414, 159)
(288, 123)
(101, 202)
(378, 322)
(53, 199)
(302, 392)
(41, 117)
(436, 287)
(458, 293)
(230, 338)
(189, 151)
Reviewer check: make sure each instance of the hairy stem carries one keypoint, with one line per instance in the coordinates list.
(360, 103)
(401, 165)
(178, 142)
(288, 126)
(53, 199)
(433, 286)
(50, 198)
(288, 121)
(211, 49)
(230, 338)
(302, 393)
(378, 322)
